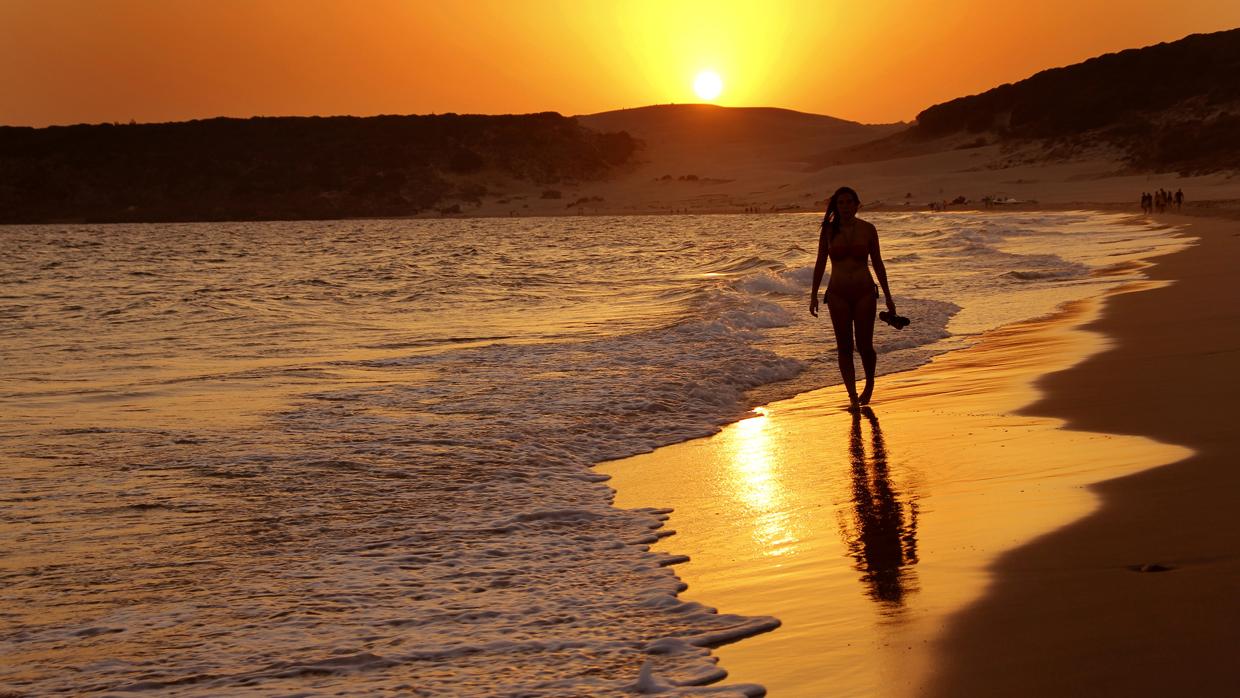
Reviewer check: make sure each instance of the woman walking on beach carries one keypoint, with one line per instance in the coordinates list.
(851, 294)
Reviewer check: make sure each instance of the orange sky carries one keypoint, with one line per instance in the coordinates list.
(71, 61)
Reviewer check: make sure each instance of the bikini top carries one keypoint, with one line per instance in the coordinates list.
(842, 248)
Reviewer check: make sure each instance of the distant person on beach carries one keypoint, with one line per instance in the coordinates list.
(1179, 198)
(851, 297)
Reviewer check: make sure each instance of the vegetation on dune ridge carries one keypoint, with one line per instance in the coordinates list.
(1170, 106)
(288, 167)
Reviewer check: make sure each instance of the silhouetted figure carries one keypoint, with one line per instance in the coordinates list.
(851, 297)
(1179, 198)
(882, 537)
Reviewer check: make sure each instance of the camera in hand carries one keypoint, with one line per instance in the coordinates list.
(897, 321)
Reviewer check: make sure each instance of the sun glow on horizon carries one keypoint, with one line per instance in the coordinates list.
(876, 63)
(708, 85)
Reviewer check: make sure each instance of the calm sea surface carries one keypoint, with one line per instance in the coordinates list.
(316, 458)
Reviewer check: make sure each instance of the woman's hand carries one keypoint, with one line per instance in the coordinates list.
(891, 306)
(813, 304)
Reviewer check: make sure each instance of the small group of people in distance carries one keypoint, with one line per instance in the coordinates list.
(1161, 200)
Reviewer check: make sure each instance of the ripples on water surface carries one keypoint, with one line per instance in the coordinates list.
(353, 456)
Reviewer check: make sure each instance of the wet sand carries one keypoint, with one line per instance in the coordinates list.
(921, 547)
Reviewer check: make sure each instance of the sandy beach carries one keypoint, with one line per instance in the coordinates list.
(1043, 513)
(763, 180)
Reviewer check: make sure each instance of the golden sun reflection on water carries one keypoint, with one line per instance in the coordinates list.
(757, 486)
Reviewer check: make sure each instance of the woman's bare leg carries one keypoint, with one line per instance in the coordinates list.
(864, 322)
(842, 323)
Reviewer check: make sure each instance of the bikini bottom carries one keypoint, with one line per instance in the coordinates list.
(852, 296)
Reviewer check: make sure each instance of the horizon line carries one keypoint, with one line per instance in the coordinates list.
(134, 122)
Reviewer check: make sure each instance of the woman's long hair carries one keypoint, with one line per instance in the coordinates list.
(832, 216)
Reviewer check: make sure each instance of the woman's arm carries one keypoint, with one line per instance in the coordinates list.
(820, 266)
(876, 258)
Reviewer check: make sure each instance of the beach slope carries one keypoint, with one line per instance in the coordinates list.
(1139, 598)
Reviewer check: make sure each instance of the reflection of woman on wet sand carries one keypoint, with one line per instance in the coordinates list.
(882, 542)
(851, 296)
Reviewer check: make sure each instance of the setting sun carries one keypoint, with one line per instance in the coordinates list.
(708, 85)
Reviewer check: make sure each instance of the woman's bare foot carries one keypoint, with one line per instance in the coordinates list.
(867, 393)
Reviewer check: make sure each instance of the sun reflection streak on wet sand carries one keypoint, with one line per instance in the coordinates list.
(758, 487)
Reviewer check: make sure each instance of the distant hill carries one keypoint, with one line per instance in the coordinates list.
(734, 136)
(1172, 106)
(288, 167)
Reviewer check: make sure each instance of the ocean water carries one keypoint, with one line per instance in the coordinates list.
(350, 457)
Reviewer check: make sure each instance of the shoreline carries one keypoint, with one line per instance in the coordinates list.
(872, 664)
(1206, 208)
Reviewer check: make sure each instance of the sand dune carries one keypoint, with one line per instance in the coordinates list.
(773, 173)
(713, 140)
